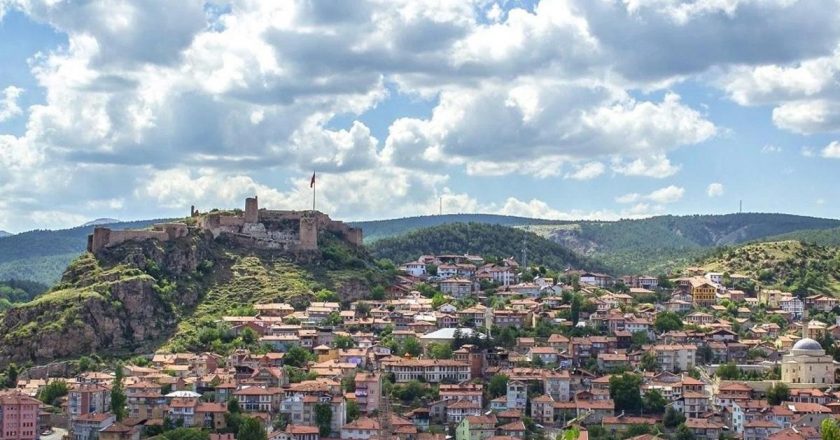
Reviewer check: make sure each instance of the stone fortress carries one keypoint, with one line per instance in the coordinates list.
(259, 228)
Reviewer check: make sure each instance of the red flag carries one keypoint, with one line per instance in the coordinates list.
(312, 182)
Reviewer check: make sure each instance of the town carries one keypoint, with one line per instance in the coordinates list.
(471, 347)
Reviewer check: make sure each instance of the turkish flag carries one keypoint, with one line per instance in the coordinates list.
(312, 182)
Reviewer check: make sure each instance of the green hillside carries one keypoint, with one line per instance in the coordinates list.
(140, 296)
(481, 239)
(823, 237)
(379, 229)
(14, 292)
(651, 245)
(791, 266)
(659, 243)
(42, 255)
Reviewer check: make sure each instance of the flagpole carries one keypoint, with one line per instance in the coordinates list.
(313, 193)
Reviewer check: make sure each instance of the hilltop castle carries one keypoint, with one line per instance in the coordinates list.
(255, 227)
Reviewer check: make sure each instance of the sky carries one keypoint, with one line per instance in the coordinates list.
(567, 109)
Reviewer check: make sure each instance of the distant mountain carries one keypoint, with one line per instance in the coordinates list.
(379, 229)
(101, 221)
(481, 239)
(653, 245)
(659, 243)
(42, 255)
(4, 234)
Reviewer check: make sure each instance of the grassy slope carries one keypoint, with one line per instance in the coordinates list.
(42, 255)
(823, 237)
(787, 265)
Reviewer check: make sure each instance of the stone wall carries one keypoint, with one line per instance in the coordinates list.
(106, 237)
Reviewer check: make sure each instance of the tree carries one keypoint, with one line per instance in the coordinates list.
(325, 295)
(55, 389)
(497, 385)
(363, 309)
(649, 362)
(639, 338)
(575, 309)
(624, 391)
(667, 321)
(353, 412)
(653, 402)
(672, 418)
(323, 419)
(683, 433)
(343, 342)
(118, 399)
(778, 393)
(333, 319)
(297, 356)
(249, 336)
(251, 429)
(705, 353)
(12, 372)
(440, 351)
(829, 429)
(412, 346)
(728, 372)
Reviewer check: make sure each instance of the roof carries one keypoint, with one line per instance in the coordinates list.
(449, 333)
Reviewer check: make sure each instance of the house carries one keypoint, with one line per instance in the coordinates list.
(362, 428)
(368, 390)
(18, 416)
(119, 431)
(476, 428)
(302, 432)
(456, 287)
(702, 292)
(547, 355)
(430, 370)
(704, 429)
(89, 425)
(85, 398)
(517, 394)
(675, 357)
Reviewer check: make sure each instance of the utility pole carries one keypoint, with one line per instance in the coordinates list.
(740, 206)
(440, 209)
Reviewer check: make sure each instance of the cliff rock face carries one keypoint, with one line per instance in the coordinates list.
(140, 296)
(121, 301)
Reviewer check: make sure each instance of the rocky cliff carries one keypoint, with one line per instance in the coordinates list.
(139, 296)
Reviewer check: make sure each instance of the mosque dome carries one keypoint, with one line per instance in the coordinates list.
(807, 344)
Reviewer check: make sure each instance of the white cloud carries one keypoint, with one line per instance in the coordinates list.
(587, 171)
(9, 107)
(656, 165)
(715, 189)
(831, 151)
(668, 194)
(214, 102)
(808, 116)
(628, 198)
(771, 149)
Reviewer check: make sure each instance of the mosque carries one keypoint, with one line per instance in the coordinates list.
(807, 363)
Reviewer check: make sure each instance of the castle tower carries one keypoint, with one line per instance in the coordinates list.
(251, 210)
(308, 233)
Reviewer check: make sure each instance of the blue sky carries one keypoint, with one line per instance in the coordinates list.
(559, 109)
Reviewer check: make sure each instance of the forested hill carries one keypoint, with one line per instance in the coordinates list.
(481, 239)
(792, 266)
(4, 234)
(42, 255)
(822, 237)
(379, 229)
(659, 243)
